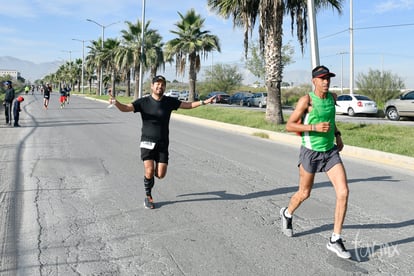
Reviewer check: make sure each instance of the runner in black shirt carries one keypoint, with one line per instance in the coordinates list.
(155, 113)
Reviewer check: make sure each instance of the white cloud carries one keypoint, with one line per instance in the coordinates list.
(393, 5)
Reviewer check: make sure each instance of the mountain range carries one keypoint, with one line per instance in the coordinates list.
(31, 71)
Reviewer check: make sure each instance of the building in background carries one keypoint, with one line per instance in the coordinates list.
(13, 73)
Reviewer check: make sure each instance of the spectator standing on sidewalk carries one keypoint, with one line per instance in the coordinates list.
(8, 100)
(314, 117)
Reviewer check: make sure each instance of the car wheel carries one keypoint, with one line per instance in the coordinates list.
(351, 111)
(249, 104)
(260, 105)
(392, 114)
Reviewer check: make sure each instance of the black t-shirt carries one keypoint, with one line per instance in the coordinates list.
(155, 117)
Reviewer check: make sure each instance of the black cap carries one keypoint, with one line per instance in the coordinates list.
(7, 83)
(159, 78)
(321, 71)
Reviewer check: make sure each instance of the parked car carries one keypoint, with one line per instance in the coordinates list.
(173, 93)
(239, 98)
(183, 95)
(258, 99)
(355, 104)
(221, 97)
(401, 107)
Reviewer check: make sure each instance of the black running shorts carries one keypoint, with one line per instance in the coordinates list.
(159, 154)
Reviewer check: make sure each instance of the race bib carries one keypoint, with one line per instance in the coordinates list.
(147, 145)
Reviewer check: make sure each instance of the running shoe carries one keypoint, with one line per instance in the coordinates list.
(339, 249)
(286, 223)
(149, 203)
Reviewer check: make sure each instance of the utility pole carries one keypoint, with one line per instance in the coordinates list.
(313, 34)
(342, 70)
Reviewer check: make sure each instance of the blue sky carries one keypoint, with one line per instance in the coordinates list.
(42, 31)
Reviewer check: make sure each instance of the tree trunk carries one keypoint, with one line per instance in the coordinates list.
(113, 81)
(137, 80)
(273, 56)
(128, 90)
(192, 73)
(98, 73)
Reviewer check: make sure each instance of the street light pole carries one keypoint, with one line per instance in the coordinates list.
(83, 61)
(142, 50)
(102, 45)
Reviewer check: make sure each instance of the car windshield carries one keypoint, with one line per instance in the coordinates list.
(362, 98)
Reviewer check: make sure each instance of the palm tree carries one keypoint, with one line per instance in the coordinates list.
(95, 58)
(270, 14)
(191, 43)
(110, 48)
(153, 53)
(77, 70)
(129, 53)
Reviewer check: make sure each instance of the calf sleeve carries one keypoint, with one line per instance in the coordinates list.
(148, 185)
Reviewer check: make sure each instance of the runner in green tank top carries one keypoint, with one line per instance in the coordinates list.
(319, 153)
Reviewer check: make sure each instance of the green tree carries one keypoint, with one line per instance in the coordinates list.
(270, 14)
(192, 44)
(222, 77)
(255, 62)
(379, 86)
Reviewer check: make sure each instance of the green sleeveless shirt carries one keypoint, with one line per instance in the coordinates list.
(323, 110)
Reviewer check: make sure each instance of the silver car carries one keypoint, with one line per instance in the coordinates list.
(258, 99)
(401, 107)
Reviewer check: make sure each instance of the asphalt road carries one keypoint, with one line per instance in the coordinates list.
(71, 202)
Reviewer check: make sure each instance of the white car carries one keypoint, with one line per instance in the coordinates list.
(355, 104)
(173, 93)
